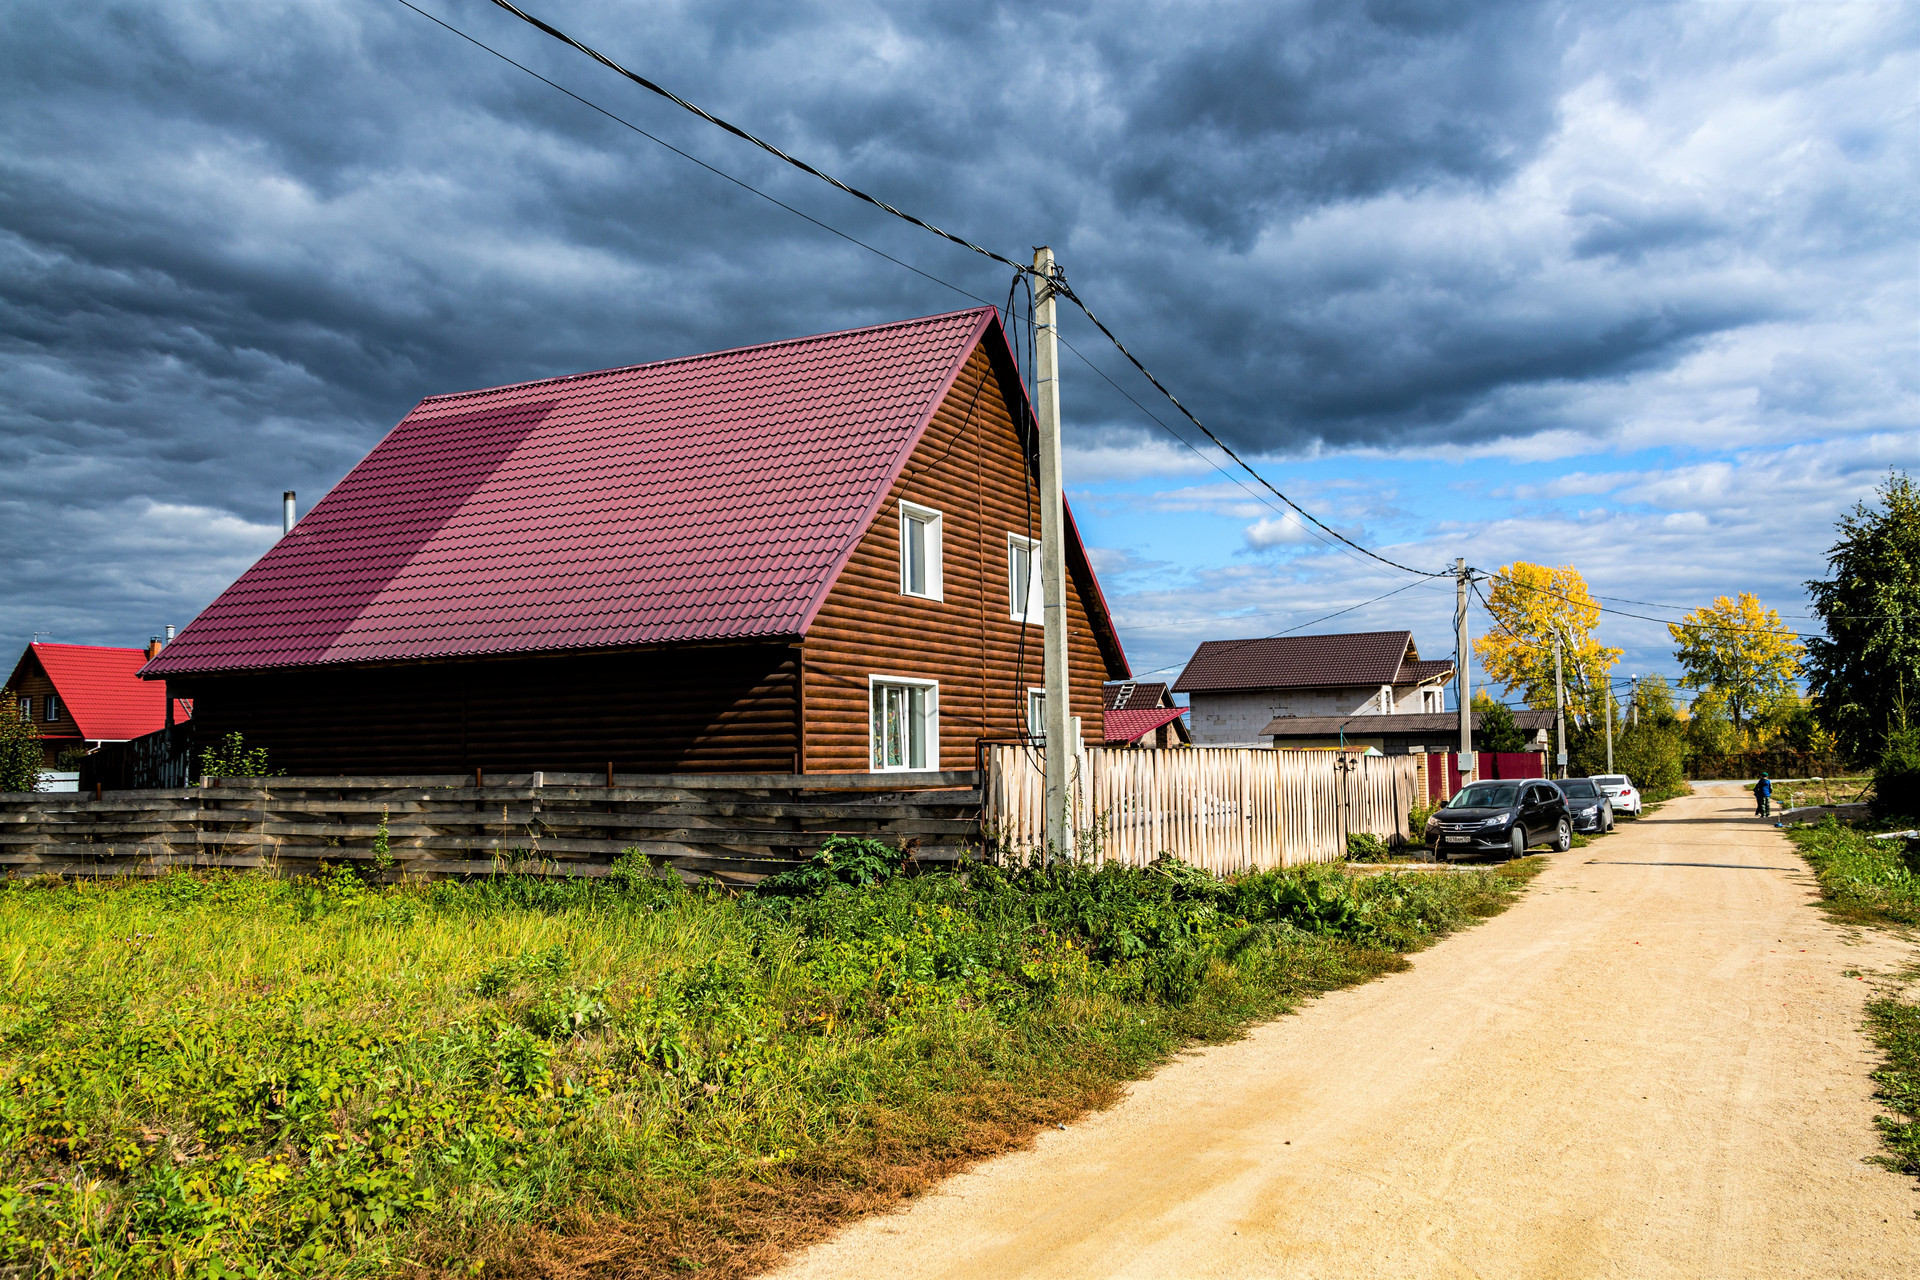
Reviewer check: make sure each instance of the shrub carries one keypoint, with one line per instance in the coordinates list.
(842, 860)
(1896, 778)
(20, 753)
(1364, 846)
(231, 759)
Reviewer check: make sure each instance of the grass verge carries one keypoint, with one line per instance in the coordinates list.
(234, 1075)
(1876, 883)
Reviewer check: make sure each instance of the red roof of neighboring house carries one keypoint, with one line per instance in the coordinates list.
(100, 689)
(714, 497)
(1130, 726)
(1293, 662)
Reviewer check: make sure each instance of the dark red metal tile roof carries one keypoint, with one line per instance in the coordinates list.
(1122, 727)
(1291, 662)
(1439, 724)
(713, 497)
(101, 690)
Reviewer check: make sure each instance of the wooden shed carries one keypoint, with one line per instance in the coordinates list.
(815, 555)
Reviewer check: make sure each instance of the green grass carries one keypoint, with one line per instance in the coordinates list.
(234, 1075)
(1877, 883)
(1864, 881)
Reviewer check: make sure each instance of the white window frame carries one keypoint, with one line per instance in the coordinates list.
(1036, 700)
(25, 706)
(1386, 699)
(929, 726)
(1036, 614)
(931, 519)
(50, 709)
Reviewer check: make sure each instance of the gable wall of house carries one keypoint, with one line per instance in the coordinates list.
(969, 466)
(55, 736)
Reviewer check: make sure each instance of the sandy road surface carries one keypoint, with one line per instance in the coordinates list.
(1651, 1066)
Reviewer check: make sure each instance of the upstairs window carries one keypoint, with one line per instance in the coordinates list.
(1386, 699)
(1026, 598)
(53, 707)
(919, 551)
(26, 708)
(904, 731)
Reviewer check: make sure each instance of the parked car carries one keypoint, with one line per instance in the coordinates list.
(1591, 808)
(1503, 816)
(1620, 792)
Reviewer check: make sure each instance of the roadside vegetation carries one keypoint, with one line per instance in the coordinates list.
(236, 1075)
(1877, 883)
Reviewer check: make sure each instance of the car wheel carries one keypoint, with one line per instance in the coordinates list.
(1609, 823)
(1563, 839)
(1519, 842)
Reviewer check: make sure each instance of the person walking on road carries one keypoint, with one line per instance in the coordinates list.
(1763, 797)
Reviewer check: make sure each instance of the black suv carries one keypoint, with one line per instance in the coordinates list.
(1501, 815)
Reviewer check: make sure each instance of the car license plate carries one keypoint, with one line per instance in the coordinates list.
(1457, 839)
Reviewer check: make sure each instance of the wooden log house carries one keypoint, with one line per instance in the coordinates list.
(807, 556)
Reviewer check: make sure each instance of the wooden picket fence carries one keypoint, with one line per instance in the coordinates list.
(1226, 809)
(728, 826)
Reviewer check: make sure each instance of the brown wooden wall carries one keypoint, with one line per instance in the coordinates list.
(969, 467)
(699, 710)
(59, 736)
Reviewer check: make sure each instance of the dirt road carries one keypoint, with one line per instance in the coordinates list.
(1651, 1066)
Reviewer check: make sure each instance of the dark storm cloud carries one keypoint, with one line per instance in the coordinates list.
(238, 240)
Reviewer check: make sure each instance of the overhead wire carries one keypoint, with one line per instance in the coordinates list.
(1058, 281)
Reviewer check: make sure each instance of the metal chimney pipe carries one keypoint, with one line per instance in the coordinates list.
(169, 633)
(286, 513)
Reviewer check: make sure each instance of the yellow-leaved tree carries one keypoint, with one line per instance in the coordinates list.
(1740, 651)
(1530, 602)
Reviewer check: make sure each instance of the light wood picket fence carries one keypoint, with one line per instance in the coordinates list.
(1226, 809)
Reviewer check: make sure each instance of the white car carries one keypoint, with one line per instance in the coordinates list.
(1619, 789)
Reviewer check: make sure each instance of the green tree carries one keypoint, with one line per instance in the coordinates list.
(1741, 652)
(1497, 730)
(1710, 731)
(1652, 702)
(1867, 667)
(21, 755)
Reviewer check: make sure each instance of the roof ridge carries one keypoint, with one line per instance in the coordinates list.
(558, 379)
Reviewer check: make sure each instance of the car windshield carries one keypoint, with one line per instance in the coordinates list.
(1579, 788)
(1479, 797)
(1612, 780)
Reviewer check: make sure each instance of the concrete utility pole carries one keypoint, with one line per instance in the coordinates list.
(1559, 711)
(1464, 663)
(1609, 687)
(1060, 750)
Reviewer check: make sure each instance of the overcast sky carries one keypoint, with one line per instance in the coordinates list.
(1633, 287)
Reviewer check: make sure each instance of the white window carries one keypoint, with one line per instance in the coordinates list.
(1036, 713)
(904, 732)
(1386, 699)
(53, 707)
(1026, 594)
(26, 707)
(919, 551)
(1432, 701)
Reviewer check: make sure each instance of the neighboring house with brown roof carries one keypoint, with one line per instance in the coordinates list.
(816, 554)
(81, 695)
(1393, 735)
(1235, 687)
(1143, 714)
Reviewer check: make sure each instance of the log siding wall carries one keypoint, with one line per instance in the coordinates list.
(970, 467)
(721, 709)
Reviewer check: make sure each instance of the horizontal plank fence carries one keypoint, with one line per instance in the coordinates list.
(729, 826)
(1227, 809)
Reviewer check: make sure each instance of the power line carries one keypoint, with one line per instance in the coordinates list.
(742, 134)
(743, 185)
(1241, 644)
(1622, 613)
(1057, 281)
